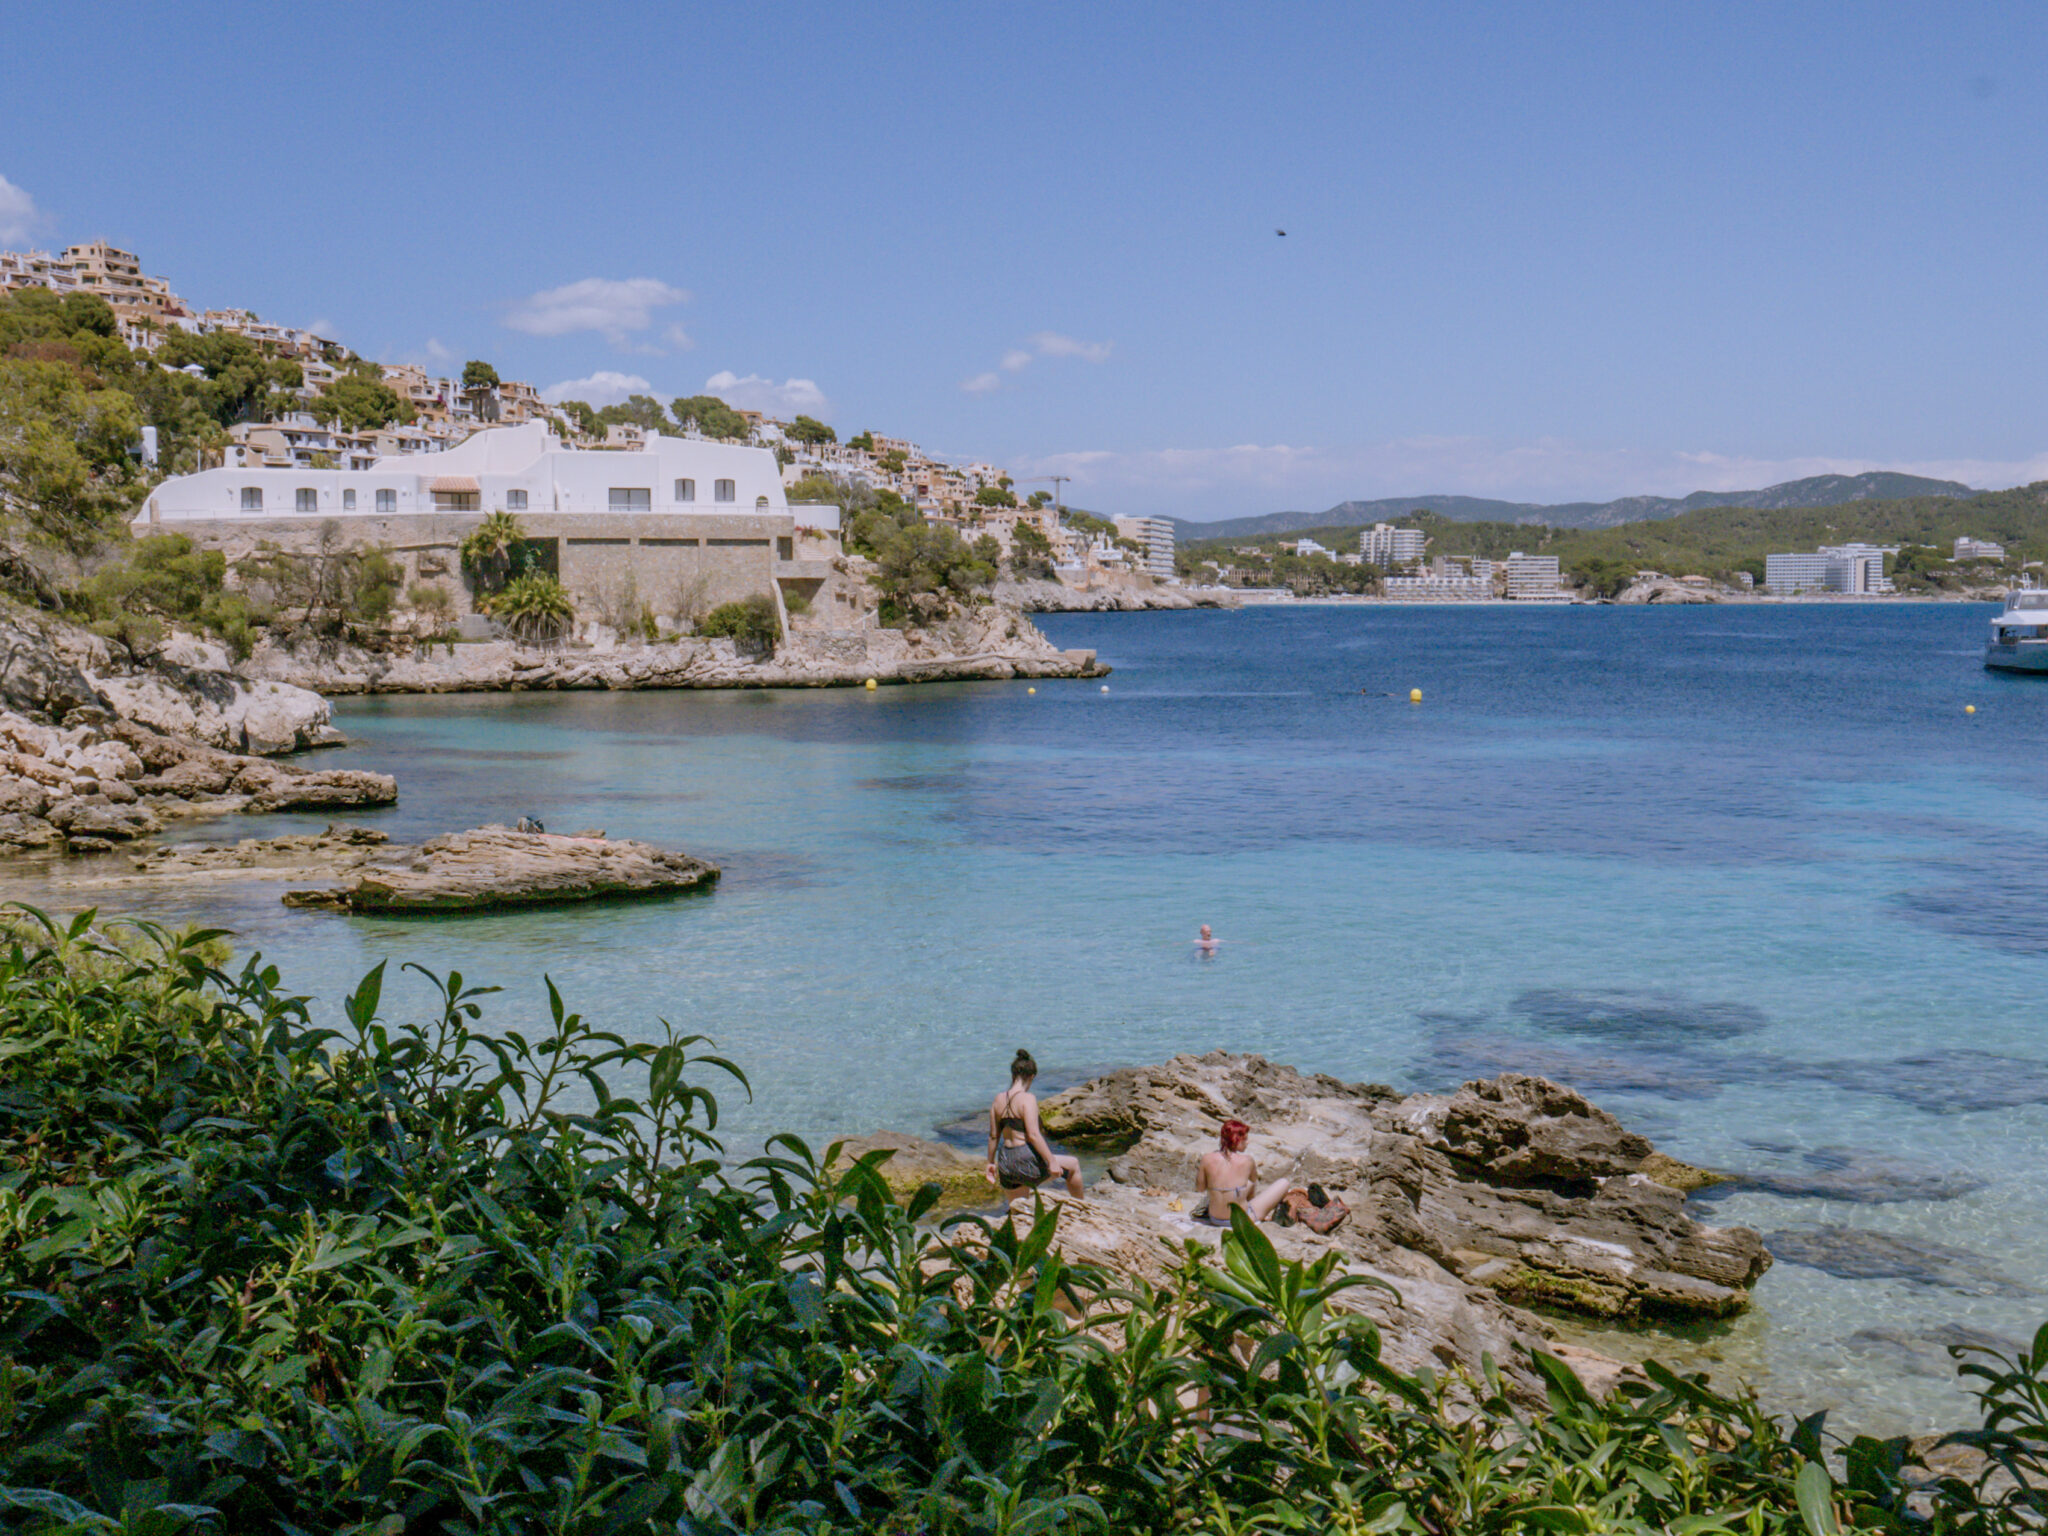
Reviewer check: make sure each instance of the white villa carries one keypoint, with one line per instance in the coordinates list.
(680, 523)
(514, 469)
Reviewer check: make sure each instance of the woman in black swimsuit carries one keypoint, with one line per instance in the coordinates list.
(1228, 1176)
(1018, 1157)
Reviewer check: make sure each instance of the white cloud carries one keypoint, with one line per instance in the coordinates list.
(600, 389)
(615, 309)
(436, 352)
(678, 338)
(1250, 478)
(321, 327)
(1043, 344)
(1053, 344)
(753, 393)
(19, 216)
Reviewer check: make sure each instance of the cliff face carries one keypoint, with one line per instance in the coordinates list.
(99, 748)
(989, 641)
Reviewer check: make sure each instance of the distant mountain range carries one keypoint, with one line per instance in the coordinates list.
(1815, 491)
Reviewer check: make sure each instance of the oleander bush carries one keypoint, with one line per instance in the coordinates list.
(260, 1275)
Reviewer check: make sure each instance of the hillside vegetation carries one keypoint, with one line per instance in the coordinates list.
(1814, 491)
(1717, 541)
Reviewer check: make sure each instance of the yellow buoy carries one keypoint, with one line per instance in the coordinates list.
(1031, 690)
(870, 682)
(1969, 709)
(1414, 695)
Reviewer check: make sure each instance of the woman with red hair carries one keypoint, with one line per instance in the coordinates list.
(1228, 1176)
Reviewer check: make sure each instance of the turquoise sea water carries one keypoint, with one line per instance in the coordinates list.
(1748, 875)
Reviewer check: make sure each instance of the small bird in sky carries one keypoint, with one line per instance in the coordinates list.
(1281, 233)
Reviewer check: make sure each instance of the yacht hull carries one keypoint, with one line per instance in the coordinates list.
(2027, 656)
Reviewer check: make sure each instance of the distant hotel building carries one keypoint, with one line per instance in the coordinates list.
(1847, 568)
(1446, 581)
(1156, 535)
(1390, 548)
(1978, 549)
(1535, 578)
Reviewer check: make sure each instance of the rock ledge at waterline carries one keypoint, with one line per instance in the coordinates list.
(982, 644)
(1511, 1190)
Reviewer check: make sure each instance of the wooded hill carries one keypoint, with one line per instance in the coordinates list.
(1813, 491)
(1714, 541)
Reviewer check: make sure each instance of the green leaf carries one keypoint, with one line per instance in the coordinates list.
(1814, 1492)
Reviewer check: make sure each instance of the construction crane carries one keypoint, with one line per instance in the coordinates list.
(1057, 481)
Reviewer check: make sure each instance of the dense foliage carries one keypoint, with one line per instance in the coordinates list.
(262, 1276)
(334, 588)
(165, 578)
(751, 621)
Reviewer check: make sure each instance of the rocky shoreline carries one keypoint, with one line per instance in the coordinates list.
(989, 643)
(1133, 594)
(1510, 1194)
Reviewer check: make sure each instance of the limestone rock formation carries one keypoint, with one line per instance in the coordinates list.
(496, 867)
(1517, 1184)
(988, 642)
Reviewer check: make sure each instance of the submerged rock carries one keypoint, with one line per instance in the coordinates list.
(1855, 1253)
(496, 867)
(1943, 1082)
(1859, 1176)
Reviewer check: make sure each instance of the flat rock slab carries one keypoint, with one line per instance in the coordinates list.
(495, 867)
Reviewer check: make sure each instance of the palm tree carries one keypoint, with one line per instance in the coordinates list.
(534, 608)
(487, 552)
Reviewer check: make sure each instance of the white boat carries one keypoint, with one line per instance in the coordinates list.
(2019, 635)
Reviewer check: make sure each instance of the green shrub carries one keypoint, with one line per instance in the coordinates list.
(751, 621)
(165, 577)
(431, 1276)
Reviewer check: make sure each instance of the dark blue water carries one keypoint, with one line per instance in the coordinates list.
(1750, 875)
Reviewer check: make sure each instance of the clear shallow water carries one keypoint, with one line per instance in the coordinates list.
(1724, 868)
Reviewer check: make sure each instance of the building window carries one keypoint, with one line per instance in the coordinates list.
(387, 501)
(760, 503)
(631, 498)
(723, 490)
(686, 490)
(305, 499)
(515, 501)
(348, 501)
(252, 498)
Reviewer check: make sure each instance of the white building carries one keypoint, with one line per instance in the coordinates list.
(1446, 581)
(1391, 548)
(1978, 549)
(1155, 534)
(1534, 578)
(1306, 547)
(515, 469)
(1847, 568)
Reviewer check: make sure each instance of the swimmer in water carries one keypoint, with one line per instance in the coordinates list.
(1207, 944)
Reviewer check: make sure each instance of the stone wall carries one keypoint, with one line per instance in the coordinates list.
(681, 565)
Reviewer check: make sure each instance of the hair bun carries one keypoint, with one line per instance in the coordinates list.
(1021, 1065)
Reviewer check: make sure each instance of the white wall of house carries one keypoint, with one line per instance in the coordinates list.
(517, 468)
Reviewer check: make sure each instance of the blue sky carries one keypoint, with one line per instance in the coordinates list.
(1541, 252)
